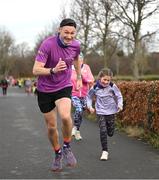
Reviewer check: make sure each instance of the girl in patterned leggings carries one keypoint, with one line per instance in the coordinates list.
(108, 102)
(79, 96)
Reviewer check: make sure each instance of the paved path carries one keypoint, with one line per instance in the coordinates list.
(25, 152)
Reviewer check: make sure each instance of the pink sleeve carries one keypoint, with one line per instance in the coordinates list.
(87, 75)
(73, 79)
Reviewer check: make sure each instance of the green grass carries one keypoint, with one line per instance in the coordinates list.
(152, 138)
(139, 133)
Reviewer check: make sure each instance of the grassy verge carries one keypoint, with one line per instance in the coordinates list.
(135, 132)
(139, 133)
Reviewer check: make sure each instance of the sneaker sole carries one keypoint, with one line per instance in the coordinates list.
(56, 170)
(103, 159)
(71, 165)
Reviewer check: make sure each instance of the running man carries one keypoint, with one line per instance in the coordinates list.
(53, 67)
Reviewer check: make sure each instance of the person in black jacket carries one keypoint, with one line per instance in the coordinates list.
(4, 86)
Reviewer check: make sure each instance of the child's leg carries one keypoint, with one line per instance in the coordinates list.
(84, 103)
(110, 123)
(81, 108)
(103, 132)
(78, 111)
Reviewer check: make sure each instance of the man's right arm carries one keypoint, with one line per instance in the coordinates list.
(39, 69)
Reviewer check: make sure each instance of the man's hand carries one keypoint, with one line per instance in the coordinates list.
(61, 66)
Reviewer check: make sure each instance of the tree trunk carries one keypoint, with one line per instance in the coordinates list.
(136, 59)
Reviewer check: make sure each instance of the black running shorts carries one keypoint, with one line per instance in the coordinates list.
(46, 101)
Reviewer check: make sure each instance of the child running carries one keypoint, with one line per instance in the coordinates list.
(79, 96)
(108, 102)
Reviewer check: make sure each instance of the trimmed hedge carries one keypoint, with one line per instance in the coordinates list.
(151, 77)
(141, 104)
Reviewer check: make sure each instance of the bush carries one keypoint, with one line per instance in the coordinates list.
(140, 104)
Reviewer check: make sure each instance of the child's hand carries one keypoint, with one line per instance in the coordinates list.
(120, 108)
(91, 110)
(79, 84)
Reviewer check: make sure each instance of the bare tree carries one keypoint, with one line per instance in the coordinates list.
(21, 50)
(132, 13)
(46, 33)
(81, 13)
(103, 22)
(95, 20)
(6, 44)
(63, 14)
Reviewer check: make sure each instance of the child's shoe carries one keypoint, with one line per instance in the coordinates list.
(74, 129)
(78, 135)
(104, 156)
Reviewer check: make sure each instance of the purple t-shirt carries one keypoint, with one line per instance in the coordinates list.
(49, 53)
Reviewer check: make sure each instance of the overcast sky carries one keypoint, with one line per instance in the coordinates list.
(25, 19)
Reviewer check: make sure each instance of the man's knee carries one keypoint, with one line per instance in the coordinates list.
(52, 131)
(66, 117)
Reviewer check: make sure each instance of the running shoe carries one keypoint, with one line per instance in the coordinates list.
(104, 156)
(74, 129)
(57, 163)
(78, 136)
(68, 157)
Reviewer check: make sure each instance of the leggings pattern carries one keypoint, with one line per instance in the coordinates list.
(80, 104)
(106, 125)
